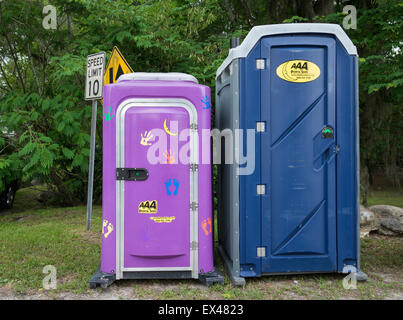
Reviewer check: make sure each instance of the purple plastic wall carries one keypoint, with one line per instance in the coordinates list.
(114, 95)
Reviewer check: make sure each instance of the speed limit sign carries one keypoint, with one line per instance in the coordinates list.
(94, 89)
(94, 83)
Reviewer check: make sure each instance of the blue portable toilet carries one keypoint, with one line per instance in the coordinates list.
(289, 94)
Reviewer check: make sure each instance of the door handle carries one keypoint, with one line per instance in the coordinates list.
(131, 174)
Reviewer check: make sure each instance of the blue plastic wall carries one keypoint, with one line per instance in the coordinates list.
(249, 202)
(308, 218)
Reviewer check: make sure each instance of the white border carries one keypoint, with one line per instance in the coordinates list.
(258, 32)
(120, 135)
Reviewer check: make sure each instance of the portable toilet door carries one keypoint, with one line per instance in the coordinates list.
(156, 196)
(296, 85)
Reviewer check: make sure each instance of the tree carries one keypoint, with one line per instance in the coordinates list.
(42, 71)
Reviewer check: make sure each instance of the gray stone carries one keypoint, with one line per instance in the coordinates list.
(389, 219)
(367, 217)
(368, 222)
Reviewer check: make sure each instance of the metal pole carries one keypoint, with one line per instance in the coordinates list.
(91, 166)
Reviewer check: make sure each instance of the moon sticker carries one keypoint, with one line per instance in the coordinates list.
(167, 129)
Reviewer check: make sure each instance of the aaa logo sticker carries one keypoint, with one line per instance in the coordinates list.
(298, 71)
(148, 206)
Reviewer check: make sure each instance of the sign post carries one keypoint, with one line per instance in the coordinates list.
(94, 86)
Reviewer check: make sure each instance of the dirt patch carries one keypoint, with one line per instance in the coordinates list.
(290, 289)
(88, 236)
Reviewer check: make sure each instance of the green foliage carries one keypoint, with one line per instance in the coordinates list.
(46, 109)
(378, 38)
(43, 71)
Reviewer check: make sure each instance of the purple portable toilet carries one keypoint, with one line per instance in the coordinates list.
(157, 191)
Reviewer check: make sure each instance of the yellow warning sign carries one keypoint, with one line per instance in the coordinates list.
(117, 65)
(298, 71)
(148, 206)
(163, 219)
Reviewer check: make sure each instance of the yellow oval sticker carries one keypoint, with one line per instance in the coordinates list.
(298, 71)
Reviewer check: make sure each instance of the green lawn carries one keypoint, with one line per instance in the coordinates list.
(393, 197)
(33, 238)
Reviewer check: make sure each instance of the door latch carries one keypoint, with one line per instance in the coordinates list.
(328, 132)
(131, 174)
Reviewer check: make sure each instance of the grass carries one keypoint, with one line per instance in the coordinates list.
(392, 197)
(32, 239)
(33, 236)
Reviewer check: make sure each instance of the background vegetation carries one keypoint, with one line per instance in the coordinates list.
(45, 122)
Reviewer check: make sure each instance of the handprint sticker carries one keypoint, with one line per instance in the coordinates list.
(107, 113)
(170, 156)
(206, 102)
(146, 138)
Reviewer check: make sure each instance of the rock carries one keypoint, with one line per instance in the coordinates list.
(367, 217)
(364, 232)
(367, 222)
(43, 197)
(36, 182)
(389, 219)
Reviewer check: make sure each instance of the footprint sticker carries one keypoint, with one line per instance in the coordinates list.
(108, 226)
(206, 230)
(167, 185)
(104, 224)
(176, 184)
(205, 223)
(110, 229)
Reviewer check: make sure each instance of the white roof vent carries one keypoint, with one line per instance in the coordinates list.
(161, 76)
(256, 33)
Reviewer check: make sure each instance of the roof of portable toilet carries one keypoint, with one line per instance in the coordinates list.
(158, 76)
(258, 32)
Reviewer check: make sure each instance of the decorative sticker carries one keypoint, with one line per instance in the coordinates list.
(167, 129)
(146, 138)
(170, 156)
(206, 102)
(298, 71)
(108, 116)
(172, 182)
(206, 230)
(162, 219)
(148, 206)
(109, 228)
